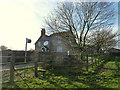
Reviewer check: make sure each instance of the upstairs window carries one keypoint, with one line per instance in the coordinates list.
(59, 40)
(69, 41)
(59, 49)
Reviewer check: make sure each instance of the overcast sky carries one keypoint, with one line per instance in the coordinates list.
(23, 18)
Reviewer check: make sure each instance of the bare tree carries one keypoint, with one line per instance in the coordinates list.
(79, 18)
(102, 40)
(2, 47)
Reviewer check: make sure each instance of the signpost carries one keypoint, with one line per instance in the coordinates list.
(68, 53)
(27, 41)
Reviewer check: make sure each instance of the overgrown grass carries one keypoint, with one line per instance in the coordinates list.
(111, 65)
(105, 78)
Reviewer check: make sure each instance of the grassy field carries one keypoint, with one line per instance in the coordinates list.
(106, 77)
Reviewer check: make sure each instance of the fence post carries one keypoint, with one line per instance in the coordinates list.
(50, 63)
(87, 63)
(98, 60)
(70, 68)
(35, 64)
(92, 62)
(95, 61)
(12, 69)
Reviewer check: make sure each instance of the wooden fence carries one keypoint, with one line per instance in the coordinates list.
(89, 61)
(8, 73)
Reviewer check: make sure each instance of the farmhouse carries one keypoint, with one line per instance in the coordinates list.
(56, 42)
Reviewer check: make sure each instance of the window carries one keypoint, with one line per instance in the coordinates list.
(69, 41)
(38, 43)
(59, 40)
(59, 49)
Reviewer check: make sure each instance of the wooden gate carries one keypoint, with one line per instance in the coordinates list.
(7, 70)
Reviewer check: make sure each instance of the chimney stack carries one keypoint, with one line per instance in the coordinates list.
(43, 32)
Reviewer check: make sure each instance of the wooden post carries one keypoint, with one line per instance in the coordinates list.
(95, 61)
(35, 63)
(12, 69)
(87, 63)
(70, 68)
(92, 61)
(50, 62)
(53, 62)
(98, 60)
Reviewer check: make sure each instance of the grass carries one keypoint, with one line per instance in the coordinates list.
(111, 65)
(107, 77)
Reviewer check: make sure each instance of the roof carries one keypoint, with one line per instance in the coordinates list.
(54, 34)
(59, 33)
(41, 37)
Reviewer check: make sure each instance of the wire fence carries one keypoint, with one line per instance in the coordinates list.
(20, 71)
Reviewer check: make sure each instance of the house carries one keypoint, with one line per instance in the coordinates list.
(56, 42)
